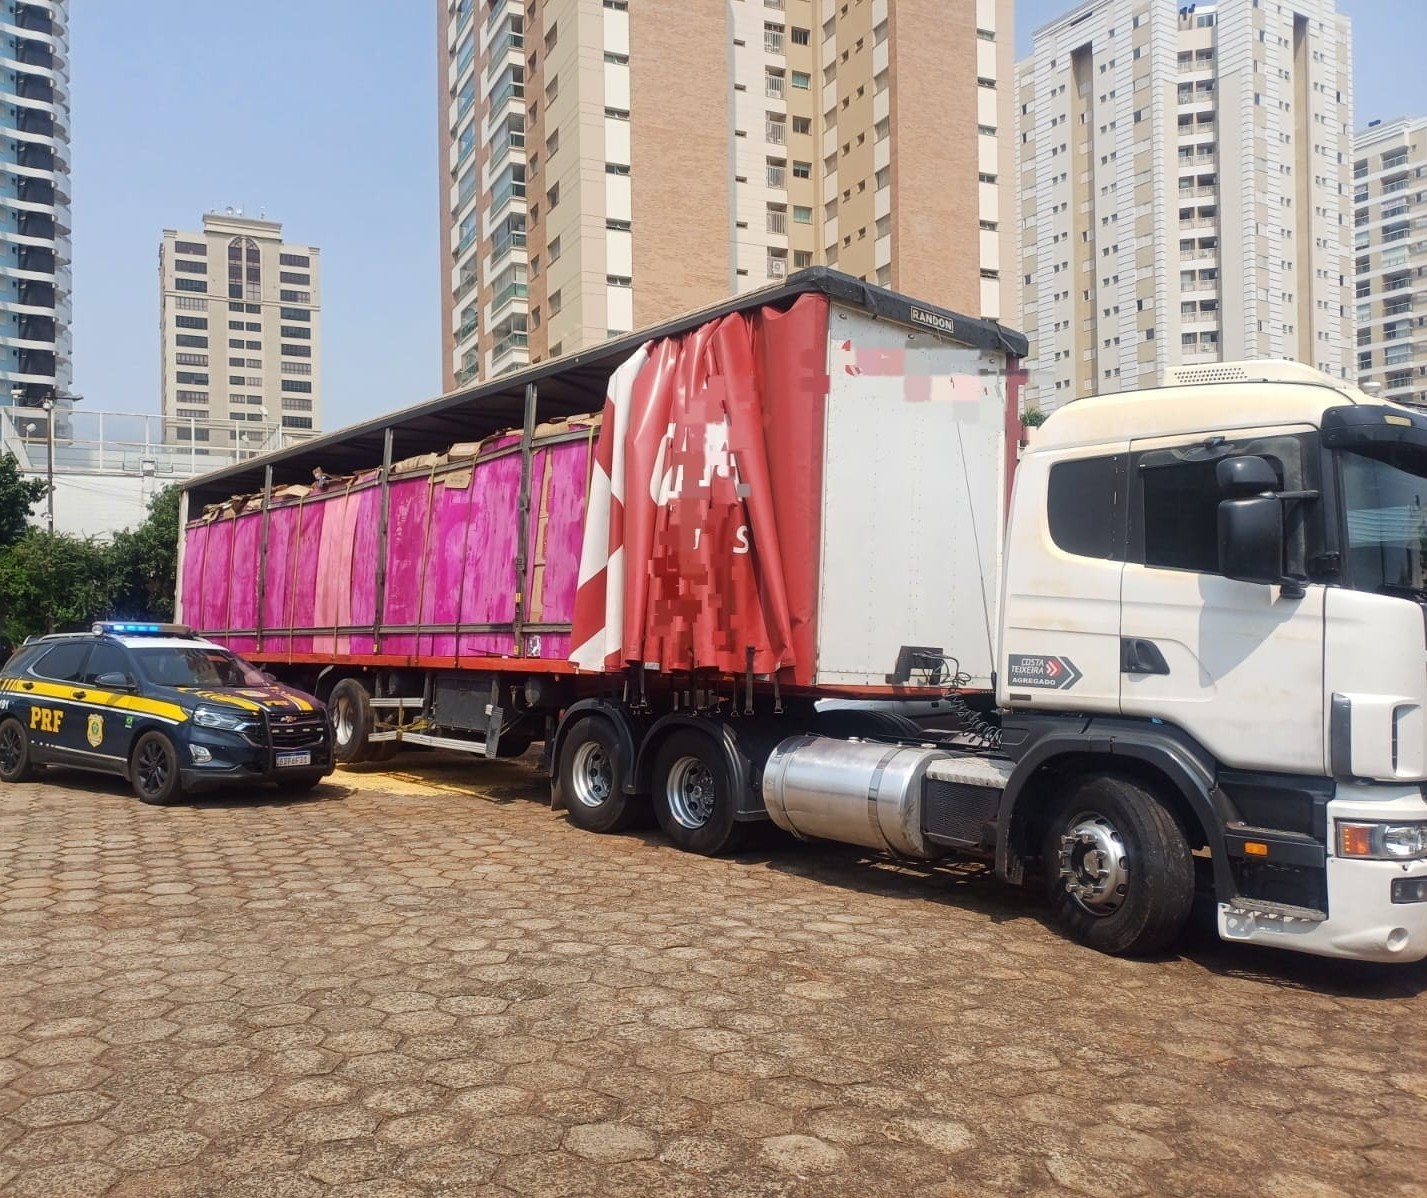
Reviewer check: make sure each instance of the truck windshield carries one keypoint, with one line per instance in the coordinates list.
(170, 666)
(1384, 493)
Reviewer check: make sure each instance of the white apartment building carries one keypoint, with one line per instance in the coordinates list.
(1390, 257)
(607, 164)
(1184, 191)
(240, 328)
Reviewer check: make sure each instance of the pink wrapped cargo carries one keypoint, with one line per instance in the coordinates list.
(706, 531)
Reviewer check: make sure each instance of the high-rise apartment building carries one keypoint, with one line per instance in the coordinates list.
(1390, 257)
(1185, 191)
(606, 164)
(239, 322)
(35, 314)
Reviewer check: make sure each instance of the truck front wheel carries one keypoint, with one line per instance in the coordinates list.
(694, 796)
(589, 779)
(1119, 869)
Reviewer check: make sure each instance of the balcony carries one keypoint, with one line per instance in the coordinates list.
(773, 41)
(465, 287)
(776, 176)
(773, 86)
(510, 89)
(517, 339)
(507, 294)
(505, 190)
(777, 268)
(467, 374)
(468, 326)
(1398, 308)
(1395, 186)
(1395, 161)
(513, 39)
(776, 132)
(505, 241)
(778, 222)
(36, 20)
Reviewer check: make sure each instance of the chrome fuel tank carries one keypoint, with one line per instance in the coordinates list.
(856, 792)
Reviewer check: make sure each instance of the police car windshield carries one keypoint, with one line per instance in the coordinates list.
(171, 666)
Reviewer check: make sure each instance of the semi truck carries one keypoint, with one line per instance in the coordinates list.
(793, 558)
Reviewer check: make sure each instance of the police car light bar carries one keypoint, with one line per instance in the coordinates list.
(125, 629)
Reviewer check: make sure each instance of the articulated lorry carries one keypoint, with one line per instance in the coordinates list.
(765, 562)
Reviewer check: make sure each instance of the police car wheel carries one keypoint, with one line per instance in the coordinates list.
(15, 762)
(154, 770)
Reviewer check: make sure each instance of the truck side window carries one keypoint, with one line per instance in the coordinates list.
(1085, 505)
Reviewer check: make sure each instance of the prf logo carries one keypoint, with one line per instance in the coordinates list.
(46, 719)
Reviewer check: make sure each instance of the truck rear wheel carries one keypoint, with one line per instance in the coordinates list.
(589, 779)
(351, 709)
(1119, 868)
(694, 796)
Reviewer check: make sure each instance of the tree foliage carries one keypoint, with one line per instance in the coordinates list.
(18, 497)
(54, 582)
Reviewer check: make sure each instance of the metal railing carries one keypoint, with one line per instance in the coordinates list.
(777, 132)
(138, 444)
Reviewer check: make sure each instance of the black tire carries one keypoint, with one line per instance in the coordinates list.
(694, 796)
(351, 709)
(153, 770)
(16, 764)
(589, 779)
(298, 783)
(1141, 901)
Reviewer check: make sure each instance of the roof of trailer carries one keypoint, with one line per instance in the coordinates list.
(564, 387)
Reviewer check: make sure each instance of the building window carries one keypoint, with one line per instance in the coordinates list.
(190, 247)
(297, 351)
(191, 322)
(801, 80)
(192, 341)
(191, 359)
(291, 404)
(192, 397)
(552, 250)
(296, 332)
(802, 258)
(297, 422)
(297, 368)
(295, 314)
(556, 302)
(801, 215)
(295, 277)
(299, 385)
(295, 297)
(802, 170)
(294, 260)
(192, 268)
(244, 269)
(552, 197)
(802, 124)
(192, 303)
(190, 285)
(615, 168)
(195, 380)
(800, 37)
(619, 280)
(618, 60)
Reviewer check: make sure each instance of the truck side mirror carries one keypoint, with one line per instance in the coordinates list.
(1251, 537)
(1245, 475)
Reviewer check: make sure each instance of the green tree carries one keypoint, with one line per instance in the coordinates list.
(51, 581)
(18, 497)
(144, 562)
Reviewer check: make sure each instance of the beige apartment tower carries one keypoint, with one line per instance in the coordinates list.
(239, 325)
(1184, 183)
(607, 164)
(1390, 257)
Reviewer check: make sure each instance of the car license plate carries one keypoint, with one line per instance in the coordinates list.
(286, 759)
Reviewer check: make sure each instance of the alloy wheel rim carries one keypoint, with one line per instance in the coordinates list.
(1094, 864)
(691, 792)
(153, 768)
(592, 775)
(10, 748)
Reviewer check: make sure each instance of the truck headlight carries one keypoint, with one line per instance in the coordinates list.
(1382, 842)
(216, 717)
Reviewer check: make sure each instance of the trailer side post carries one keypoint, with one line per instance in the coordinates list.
(263, 555)
(382, 521)
(522, 543)
(178, 612)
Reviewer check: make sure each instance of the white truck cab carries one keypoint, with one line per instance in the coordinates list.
(1214, 592)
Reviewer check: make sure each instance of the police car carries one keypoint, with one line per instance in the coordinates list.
(157, 705)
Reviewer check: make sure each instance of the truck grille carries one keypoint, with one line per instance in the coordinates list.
(297, 731)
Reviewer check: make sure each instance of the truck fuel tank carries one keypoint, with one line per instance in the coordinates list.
(853, 791)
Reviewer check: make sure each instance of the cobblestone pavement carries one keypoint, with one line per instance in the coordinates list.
(427, 984)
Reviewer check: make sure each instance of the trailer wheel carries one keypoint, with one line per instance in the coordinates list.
(1119, 868)
(694, 796)
(589, 779)
(351, 709)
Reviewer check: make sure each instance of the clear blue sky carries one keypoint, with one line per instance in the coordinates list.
(323, 114)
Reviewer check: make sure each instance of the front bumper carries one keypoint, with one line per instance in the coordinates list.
(1363, 923)
(233, 758)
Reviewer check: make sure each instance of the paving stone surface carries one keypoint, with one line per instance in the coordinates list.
(423, 982)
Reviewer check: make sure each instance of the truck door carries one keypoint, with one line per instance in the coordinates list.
(1237, 665)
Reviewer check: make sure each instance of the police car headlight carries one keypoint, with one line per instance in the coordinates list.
(213, 717)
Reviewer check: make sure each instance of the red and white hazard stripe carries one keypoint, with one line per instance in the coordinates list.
(599, 598)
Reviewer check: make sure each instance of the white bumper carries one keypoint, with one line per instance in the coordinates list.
(1363, 922)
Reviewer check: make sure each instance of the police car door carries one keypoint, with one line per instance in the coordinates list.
(55, 722)
(109, 677)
